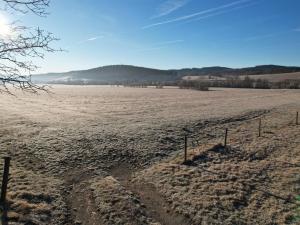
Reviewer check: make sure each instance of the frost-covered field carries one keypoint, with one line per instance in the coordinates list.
(62, 144)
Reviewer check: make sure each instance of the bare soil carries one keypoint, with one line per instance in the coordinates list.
(103, 155)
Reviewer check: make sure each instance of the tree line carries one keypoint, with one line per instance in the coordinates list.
(201, 85)
(247, 82)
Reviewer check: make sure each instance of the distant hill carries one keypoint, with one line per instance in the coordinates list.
(124, 73)
(264, 69)
(109, 74)
(224, 71)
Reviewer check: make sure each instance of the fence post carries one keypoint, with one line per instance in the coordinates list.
(259, 128)
(226, 134)
(5, 180)
(185, 148)
(297, 118)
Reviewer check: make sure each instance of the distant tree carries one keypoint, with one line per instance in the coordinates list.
(21, 44)
(248, 82)
(262, 84)
(193, 84)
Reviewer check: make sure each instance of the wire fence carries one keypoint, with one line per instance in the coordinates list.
(259, 126)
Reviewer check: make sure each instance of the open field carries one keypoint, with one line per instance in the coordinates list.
(277, 77)
(269, 77)
(108, 155)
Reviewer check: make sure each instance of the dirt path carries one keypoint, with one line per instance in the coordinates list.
(80, 198)
(83, 209)
(83, 203)
(156, 206)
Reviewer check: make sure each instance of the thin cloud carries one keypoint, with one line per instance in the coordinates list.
(91, 39)
(194, 15)
(160, 45)
(297, 29)
(221, 12)
(95, 38)
(168, 7)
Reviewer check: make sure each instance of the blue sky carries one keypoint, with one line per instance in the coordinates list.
(171, 33)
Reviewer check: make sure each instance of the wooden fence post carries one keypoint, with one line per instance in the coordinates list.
(185, 148)
(226, 134)
(5, 180)
(259, 128)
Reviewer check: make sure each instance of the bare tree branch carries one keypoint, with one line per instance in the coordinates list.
(37, 7)
(23, 44)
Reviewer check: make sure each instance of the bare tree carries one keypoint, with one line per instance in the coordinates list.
(18, 49)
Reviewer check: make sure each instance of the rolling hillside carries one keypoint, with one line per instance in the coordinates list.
(109, 74)
(124, 73)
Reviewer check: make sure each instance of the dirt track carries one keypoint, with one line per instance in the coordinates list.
(65, 147)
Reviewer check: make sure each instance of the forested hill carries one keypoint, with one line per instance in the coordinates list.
(125, 73)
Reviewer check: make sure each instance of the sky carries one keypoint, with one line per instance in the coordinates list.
(169, 34)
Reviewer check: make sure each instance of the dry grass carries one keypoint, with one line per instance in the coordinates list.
(34, 198)
(254, 181)
(116, 205)
(61, 144)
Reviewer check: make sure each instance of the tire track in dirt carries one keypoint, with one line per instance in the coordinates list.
(156, 206)
(80, 199)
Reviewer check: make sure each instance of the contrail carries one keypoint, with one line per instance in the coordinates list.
(196, 14)
(169, 6)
